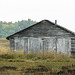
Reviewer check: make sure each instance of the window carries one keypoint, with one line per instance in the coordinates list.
(73, 43)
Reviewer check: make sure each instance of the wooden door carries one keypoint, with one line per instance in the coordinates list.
(34, 45)
(63, 45)
(49, 44)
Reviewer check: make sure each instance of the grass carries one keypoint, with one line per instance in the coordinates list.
(32, 63)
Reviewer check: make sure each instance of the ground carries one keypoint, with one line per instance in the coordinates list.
(12, 62)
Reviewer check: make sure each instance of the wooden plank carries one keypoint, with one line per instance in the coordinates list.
(25, 45)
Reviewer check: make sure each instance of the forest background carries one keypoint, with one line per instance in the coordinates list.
(9, 28)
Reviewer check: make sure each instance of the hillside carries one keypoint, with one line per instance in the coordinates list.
(4, 46)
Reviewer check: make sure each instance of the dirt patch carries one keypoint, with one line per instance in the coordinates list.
(68, 69)
(4, 68)
(39, 68)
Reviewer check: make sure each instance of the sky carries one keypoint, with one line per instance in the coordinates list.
(61, 10)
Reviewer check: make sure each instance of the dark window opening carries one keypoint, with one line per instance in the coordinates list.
(73, 44)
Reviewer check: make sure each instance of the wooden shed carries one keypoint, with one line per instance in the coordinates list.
(44, 36)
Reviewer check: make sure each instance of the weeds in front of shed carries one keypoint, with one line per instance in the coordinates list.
(20, 55)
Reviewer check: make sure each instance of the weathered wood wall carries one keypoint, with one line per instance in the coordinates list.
(34, 45)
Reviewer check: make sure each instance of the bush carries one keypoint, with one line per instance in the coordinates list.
(9, 56)
(16, 60)
(30, 56)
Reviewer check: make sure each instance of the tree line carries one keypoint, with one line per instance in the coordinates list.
(9, 28)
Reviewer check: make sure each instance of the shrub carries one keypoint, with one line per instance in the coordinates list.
(30, 56)
(16, 60)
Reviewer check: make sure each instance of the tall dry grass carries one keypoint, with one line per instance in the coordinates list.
(50, 55)
(4, 46)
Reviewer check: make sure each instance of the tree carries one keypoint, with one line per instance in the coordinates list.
(10, 28)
